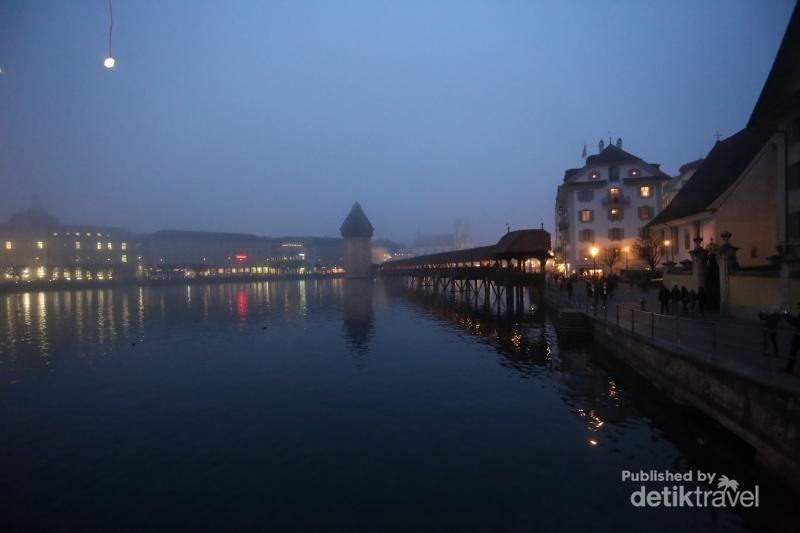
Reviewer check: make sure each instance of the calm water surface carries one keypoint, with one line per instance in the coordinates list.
(332, 405)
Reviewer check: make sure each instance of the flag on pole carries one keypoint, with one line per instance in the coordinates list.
(583, 154)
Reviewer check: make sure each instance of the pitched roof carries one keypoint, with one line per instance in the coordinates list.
(514, 244)
(691, 165)
(719, 170)
(782, 89)
(356, 224)
(523, 240)
(611, 154)
(203, 235)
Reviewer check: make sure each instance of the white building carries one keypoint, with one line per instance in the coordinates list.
(604, 205)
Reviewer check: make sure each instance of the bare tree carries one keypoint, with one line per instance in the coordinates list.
(611, 257)
(650, 250)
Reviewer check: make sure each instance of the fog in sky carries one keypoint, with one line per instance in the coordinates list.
(272, 117)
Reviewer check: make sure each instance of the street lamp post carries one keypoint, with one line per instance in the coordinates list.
(594, 251)
(669, 250)
(626, 250)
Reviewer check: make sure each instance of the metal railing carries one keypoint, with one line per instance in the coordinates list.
(719, 340)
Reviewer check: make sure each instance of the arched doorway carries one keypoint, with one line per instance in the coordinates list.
(711, 285)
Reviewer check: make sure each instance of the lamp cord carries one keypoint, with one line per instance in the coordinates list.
(110, 27)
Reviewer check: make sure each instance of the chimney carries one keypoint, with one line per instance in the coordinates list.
(619, 143)
(601, 146)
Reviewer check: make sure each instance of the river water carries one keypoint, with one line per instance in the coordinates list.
(333, 405)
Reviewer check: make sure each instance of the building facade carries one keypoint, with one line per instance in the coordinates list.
(601, 209)
(35, 245)
(177, 253)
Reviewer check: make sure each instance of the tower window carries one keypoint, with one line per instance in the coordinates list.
(613, 173)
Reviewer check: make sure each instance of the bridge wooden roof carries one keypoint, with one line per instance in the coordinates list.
(519, 244)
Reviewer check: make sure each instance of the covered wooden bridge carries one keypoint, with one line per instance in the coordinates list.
(494, 276)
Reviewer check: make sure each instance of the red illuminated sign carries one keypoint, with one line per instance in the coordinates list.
(241, 257)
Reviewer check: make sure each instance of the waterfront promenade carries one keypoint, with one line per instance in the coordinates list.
(731, 343)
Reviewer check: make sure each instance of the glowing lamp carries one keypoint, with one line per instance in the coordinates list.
(109, 62)
(594, 251)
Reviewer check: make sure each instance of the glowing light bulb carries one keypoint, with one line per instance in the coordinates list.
(109, 62)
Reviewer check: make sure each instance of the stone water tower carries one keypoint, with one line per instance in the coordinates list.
(357, 232)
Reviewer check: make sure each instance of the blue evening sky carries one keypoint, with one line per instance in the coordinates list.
(272, 117)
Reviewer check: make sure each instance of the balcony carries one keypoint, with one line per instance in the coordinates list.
(618, 199)
(563, 224)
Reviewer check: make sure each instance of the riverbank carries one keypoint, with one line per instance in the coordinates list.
(747, 395)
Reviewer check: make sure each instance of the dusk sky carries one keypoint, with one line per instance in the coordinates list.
(273, 117)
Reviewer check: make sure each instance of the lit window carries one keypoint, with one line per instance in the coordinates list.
(110, 246)
(40, 272)
(124, 258)
(615, 213)
(594, 176)
(645, 213)
(40, 244)
(124, 246)
(99, 245)
(586, 215)
(9, 245)
(645, 191)
(77, 245)
(613, 193)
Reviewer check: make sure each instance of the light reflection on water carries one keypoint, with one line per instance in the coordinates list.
(297, 399)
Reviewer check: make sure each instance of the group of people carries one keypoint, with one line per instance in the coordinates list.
(675, 301)
(597, 289)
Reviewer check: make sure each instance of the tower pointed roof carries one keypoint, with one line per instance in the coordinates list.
(356, 224)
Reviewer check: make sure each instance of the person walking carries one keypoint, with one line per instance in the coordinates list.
(685, 300)
(794, 321)
(771, 320)
(569, 289)
(675, 297)
(701, 301)
(692, 302)
(663, 298)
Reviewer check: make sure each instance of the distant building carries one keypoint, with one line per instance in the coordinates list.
(604, 205)
(675, 184)
(204, 253)
(357, 233)
(458, 239)
(35, 245)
